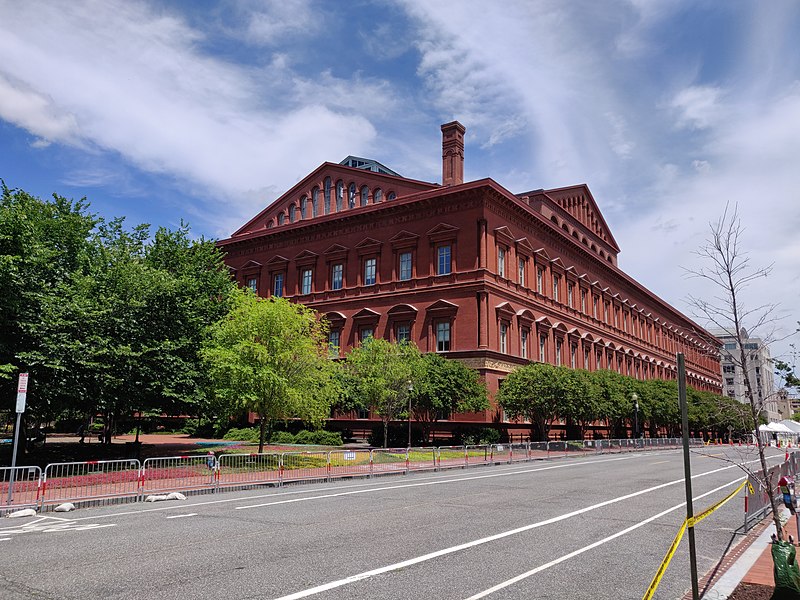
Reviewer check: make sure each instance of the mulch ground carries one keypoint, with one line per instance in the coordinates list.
(752, 591)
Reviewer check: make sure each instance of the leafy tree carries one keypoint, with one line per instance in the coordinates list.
(580, 406)
(384, 375)
(446, 386)
(271, 357)
(533, 392)
(614, 399)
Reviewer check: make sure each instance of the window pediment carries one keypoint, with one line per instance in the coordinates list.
(366, 314)
(404, 239)
(402, 311)
(442, 232)
(442, 307)
(305, 258)
(505, 310)
(337, 251)
(503, 234)
(524, 247)
(336, 319)
(525, 317)
(278, 262)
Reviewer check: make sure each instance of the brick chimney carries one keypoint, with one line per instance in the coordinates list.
(452, 153)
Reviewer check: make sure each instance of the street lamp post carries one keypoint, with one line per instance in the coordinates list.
(635, 398)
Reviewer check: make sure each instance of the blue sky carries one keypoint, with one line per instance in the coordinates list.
(207, 111)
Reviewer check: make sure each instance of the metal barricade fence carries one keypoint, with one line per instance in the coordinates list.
(241, 470)
(537, 450)
(500, 453)
(422, 459)
(304, 466)
(451, 457)
(518, 452)
(350, 463)
(90, 480)
(22, 490)
(757, 503)
(389, 460)
(478, 454)
(175, 473)
(556, 449)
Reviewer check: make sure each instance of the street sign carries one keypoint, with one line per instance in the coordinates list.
(22, 392)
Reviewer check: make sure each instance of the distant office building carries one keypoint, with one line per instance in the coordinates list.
(759, 371)
(788, 405)
(467, 269)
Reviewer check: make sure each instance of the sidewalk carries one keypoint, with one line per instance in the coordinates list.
(751, 572)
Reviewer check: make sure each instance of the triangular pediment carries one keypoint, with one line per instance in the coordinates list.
(367, 243)
(251, 264)
(366, 314)
(306, 255)
(503, 233)
(442, 231)
(277, 260)
(579, 203)
(442, 306)
(404, 236)
(524, 246)
(335, 249)
(542, 254)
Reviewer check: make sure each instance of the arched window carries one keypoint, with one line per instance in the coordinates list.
(303, 202)
(364, 195)
(327, 198)
(351, 196)
(292, 209)
(391, 196)
(377, 196)
(315, 202)
(281, 219)
(339, 195)
(270, 224)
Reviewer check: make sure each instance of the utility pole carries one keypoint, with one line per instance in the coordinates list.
(687, 474)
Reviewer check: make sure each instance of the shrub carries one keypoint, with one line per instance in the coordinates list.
(248, 434)
(282, 437)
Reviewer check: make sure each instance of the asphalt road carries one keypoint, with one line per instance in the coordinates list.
(594, 528)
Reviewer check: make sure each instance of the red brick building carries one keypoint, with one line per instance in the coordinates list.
(492, 278)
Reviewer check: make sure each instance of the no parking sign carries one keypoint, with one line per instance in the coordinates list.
(22, 392)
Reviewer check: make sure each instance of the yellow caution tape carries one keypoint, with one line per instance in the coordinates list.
(664, 564)
(697, 518)
(686, 523)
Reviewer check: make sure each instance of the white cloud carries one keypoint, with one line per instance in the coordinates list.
(698, 107)
(134, 81)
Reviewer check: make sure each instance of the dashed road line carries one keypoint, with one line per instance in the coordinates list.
(182, 516)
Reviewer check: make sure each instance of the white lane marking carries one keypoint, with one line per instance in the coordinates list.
(498, 536)
(591, 546)
(4, 539)
(182, 516)
(419, 484)
(660, 462)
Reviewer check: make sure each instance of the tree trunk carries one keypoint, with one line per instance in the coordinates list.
(385, 433)
(262, 430)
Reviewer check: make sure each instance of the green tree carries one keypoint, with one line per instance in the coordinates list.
(534, 392)
(271, 357)
(446, 386)
(384, 375)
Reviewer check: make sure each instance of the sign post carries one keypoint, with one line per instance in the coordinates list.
(22, 392)
(687, 474)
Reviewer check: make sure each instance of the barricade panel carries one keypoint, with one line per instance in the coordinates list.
(422, 459)
(173, 473)
(537, 450)
(304, 466)
(500, 453)
(389, 460)
(90, 480)
(518, 452)
(555, 449)
(350, 463)
(24, 486)
(478, 455)
(450, 457)
(249, 469)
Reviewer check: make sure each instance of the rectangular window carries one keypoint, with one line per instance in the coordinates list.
(556, 285)
(569, 295)
(501, 262)
(365, 333)
(542, 353)
(539, 281)
(277, 285)
(443, 260)
(625, 322)
(337, 277)
(305, 287)
(503, 338)
(333, 342)
(370, 266)
(586, 358)
(573, 356)
(252, 284)
(605, 312)
(443, 336)
(405, 266)
(523, 343)
(583, 301)
(522, 271)
(594, 306)
(728, 369)
(403, 333)
(558, 352)
(729, 381)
